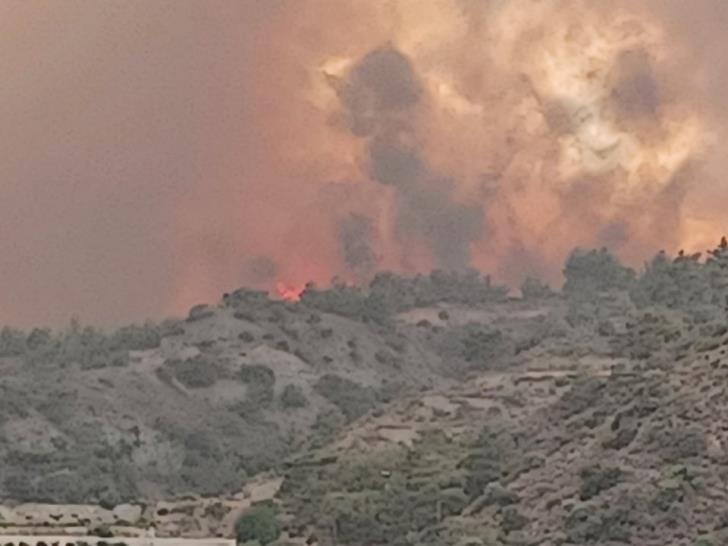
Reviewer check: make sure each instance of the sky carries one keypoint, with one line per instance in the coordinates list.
(157, 153)
(117, 115)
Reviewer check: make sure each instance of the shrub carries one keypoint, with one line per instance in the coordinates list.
(103, 531)
(492, 454)
(676, 444)
(477, 345)
(136, 338)
(293, 397)
(260, 380)
(348, 301)
(200, 312)
(353, 399)
(258, 524)
(591, 272)
(595, 479)
(612, 523)
(195, 373)
(12, 342)
(39, 338)
(535, 289)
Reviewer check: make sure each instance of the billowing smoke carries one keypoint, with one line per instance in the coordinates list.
(152, 166)
(382, 97)
(356, 235)
(498, 137)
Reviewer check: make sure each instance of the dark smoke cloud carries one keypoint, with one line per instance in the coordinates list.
(152, 148)
(635, 92)
(381, 98)
(356, 237)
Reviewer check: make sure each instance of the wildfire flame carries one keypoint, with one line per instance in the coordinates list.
(288, 293)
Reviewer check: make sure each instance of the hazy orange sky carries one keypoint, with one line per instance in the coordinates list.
(115, 114)
(146, 152)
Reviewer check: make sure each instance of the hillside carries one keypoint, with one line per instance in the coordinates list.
(433, 410)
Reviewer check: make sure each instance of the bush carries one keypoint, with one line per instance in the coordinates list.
(535, 289)
(293, 397)
(595, 479)
(613, 523)
(353, 399)
(12, 342)
(258, 524)
(590, 272)
(200, 312)
(348, 301)
(136, 338)
(479, 346)
(678, 443)
(260, 381)
(194, 373)
(103, 531)
(492, 454)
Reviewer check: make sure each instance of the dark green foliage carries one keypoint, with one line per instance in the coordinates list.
(595, 479)
(353, 399)
(246, 299)
(12, 342)
(257, 374)
(293, 397)
(513, 520)
(683, 283)
(380, 497)
(206, 466)
(496, 494)
(38, 339)
(348, 301)
(687, 283)
(535, 289)
(676, 444)
(200, 312)
(648, 333)
(259, 524)
(382, 516)
(136, 338)
(491, 457)
(260, 381)
(402, 293)
(171, 327)
(328, 423)
(585, 393)
(478, 346)
(103, 531)
(590, 272)
(599, 525)
(195, 373)
(389, 293)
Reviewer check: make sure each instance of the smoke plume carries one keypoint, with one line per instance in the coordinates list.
(162, 153)
(381, 98)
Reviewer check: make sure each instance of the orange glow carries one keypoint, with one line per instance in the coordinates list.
(521, 116)
(288, 293)
(562, 125)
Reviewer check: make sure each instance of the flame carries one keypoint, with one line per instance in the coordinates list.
(561, 120)
(289, 293)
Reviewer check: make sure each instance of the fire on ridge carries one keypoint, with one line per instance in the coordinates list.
(472, 134)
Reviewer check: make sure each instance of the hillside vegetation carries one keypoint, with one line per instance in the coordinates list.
(430, 410)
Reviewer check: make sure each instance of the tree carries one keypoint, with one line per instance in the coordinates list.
(258, 524)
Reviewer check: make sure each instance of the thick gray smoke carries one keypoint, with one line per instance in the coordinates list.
(381, 98)
(636, 92)
(356, 234)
